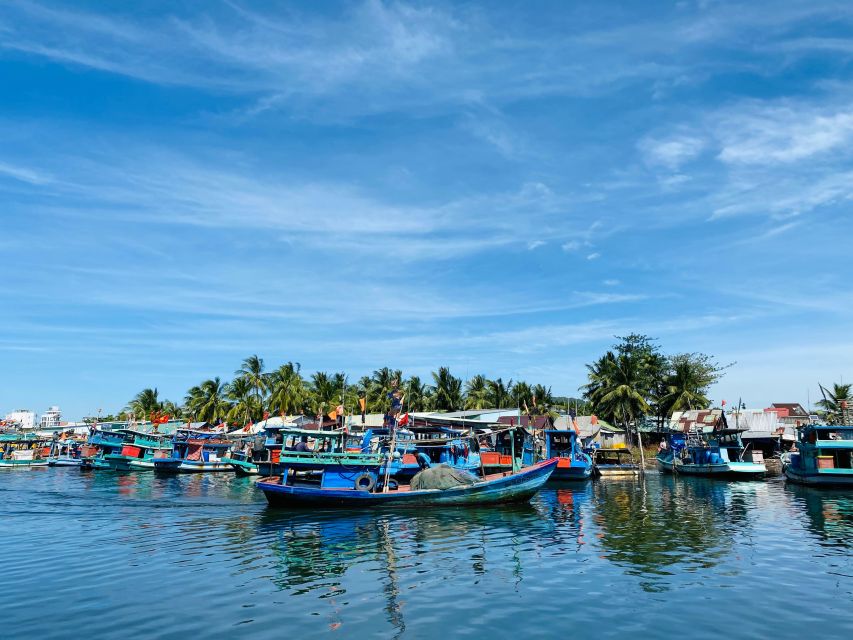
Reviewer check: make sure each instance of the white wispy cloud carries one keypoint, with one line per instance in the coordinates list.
(23, 174)
(671, 152)
(762, 135)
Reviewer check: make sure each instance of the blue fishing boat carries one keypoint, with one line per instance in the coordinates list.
(195, 452)
(505, 449)
(99, 444)
(720, 453)
(23, 451)
(416, 446)
(824, 457)
(306, 450)
(65, 453)
(140, 453)
(613, 463)
(572, 462)
(334, 488)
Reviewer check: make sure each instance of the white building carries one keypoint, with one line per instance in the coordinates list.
(27, 419)
(50, 418)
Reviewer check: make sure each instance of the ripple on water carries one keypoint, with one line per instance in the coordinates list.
(112, 554)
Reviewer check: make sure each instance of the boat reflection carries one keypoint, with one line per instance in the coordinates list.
(829, 514)
(664, 525)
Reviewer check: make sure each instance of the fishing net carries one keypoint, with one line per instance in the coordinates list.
(441, 477)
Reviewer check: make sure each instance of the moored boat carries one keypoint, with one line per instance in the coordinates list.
(327, 490)
(23, 451)
(572, 462)
(195, 452)
(824, 457)
(140, 453)
(65, 453)
(719, 453)
(99, 444)
(614, 463)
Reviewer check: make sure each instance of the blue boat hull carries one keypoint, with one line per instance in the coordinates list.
(563, 474)
(823, 478)
(517, 487)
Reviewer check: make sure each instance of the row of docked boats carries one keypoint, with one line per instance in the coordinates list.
(822, 456)
(379, 465)
(416, 465)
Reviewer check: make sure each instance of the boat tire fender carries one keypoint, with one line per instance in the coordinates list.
(365, 482)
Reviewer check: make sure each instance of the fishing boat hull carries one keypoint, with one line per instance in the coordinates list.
(22, 464)
(728, 470)
(126, 463)
(64, 462)
(517, 487)
(836, 478)
(176, 465)
(617, 472)
(242, 468)
(567, 471)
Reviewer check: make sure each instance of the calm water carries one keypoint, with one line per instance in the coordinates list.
(99, 554)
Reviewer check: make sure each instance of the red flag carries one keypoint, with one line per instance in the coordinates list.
(724, 403)
(404, 420)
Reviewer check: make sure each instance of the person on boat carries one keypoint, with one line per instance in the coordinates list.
(303, 445)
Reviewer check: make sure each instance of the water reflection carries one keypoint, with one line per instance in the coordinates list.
(829, 514)
(661, 525)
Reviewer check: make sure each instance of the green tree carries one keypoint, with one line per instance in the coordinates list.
(287, 390)
(145, 403)
(477, 393)
(500, 395)
(417, 394)
(207, 401)
(690, 377)
(448, 390)
(836, 402)
(245, 404)
(253, 371)
(544, 399)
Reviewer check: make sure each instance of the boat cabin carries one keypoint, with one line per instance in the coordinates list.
(830, 447)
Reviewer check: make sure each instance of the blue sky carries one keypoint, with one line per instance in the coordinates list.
(497, 187)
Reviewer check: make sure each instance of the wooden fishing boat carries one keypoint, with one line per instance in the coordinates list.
(285, 447)
(292, 490)
(99, 444)
(65, 453)
(573, 463)
(140, 453)
(719, 453)
(614, 463)
(824, 457)
(195, 452)
(23, 451)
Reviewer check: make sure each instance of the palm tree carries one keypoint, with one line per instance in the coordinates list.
(544, 398)
(145, 403)
(617, 388)
(500, 394)
(324, 392)
(477, 393)
(207, 401)
(287, 390)
(417, 394)
(382, 382)
(836, 402)
(244, 403)
(448, 390)
(522, 394)
(253, 370)
(685, 387)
